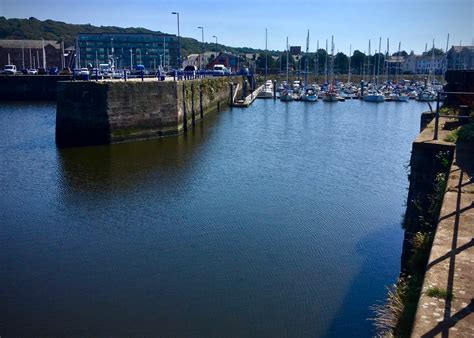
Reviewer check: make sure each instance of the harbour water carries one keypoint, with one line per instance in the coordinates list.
(282, 219)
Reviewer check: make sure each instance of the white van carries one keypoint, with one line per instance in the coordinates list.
(220, 70)
(9, 69)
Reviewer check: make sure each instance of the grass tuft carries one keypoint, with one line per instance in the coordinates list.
(439, 293)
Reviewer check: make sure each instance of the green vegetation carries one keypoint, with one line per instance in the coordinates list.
(438, 293)
(452, 136)
(466, 133)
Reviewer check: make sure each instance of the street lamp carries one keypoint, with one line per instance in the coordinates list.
(202, 39)
(179, 41)
(216, 41)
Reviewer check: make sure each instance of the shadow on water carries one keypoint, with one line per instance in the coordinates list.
(125, 166)
(380, 267)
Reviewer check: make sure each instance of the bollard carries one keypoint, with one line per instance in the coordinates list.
(141, 74)
(125, 75)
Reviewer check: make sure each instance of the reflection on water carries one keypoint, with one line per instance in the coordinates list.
(281, 219)
(126, 165)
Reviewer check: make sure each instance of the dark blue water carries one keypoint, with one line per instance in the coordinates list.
(277, 220)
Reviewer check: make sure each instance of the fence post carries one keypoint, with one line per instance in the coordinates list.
(435, 137)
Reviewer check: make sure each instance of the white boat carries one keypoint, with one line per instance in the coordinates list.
(309, 95)
(398, 97)
(427, 96)
(330, 95)
(373, 96)
(267, 91)
(286, 95)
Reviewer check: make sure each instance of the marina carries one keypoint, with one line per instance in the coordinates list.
(306, 172)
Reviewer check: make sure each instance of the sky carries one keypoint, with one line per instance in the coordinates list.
(242, 23)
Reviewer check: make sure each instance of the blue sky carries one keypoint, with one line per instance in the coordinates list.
(243, 23)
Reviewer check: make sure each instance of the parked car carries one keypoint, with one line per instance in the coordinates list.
(84, 71)
(190, 70)
(9, 69)
(42, 71)
(53, 71)
(24, 71)
(32, 71)
(220, 70)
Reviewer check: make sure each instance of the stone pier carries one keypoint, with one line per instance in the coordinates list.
(90, 113)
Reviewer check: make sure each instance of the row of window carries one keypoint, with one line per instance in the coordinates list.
(126, 50)
(125, 38)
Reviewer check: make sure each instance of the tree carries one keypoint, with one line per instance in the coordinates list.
(357, 61)
(437, 52)
(341, 63)
(402, 53)
(261, 62)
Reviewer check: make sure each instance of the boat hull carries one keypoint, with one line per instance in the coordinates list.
(374, 98)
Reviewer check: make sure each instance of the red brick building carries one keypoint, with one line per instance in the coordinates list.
(29, 53)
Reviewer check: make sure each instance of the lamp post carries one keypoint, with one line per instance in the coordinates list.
(179, 41)
(202, 40)
(215, 37)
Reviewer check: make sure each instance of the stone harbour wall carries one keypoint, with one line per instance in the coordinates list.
(90, 113)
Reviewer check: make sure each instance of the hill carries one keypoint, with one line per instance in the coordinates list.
(35, 29)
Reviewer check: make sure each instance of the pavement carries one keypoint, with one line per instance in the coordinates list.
(451, 263)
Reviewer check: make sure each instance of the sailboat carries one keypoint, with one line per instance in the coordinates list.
(331, 95)
(309, 94)
(286, 94)
(267, 92)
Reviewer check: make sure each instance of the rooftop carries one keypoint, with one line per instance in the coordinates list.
(29, 43)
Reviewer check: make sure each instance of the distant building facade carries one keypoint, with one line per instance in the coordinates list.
(128, 50)
(29, 53)
(409, 64)
(426, 64)
(229, 60)
(395, 64)
(461, 57)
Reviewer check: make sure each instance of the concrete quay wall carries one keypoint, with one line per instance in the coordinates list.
(90, 113)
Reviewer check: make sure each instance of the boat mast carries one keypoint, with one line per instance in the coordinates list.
(387, 59)
(446, 55)
(368, 64)
(398, 61)
(332, 58)
(326, 63)
(432, 69)
(378, 61)
(317, 61)
(306, 60)
(287, 59)
(350, 57)
(266, 56)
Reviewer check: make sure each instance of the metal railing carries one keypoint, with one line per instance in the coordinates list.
(442, 96)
